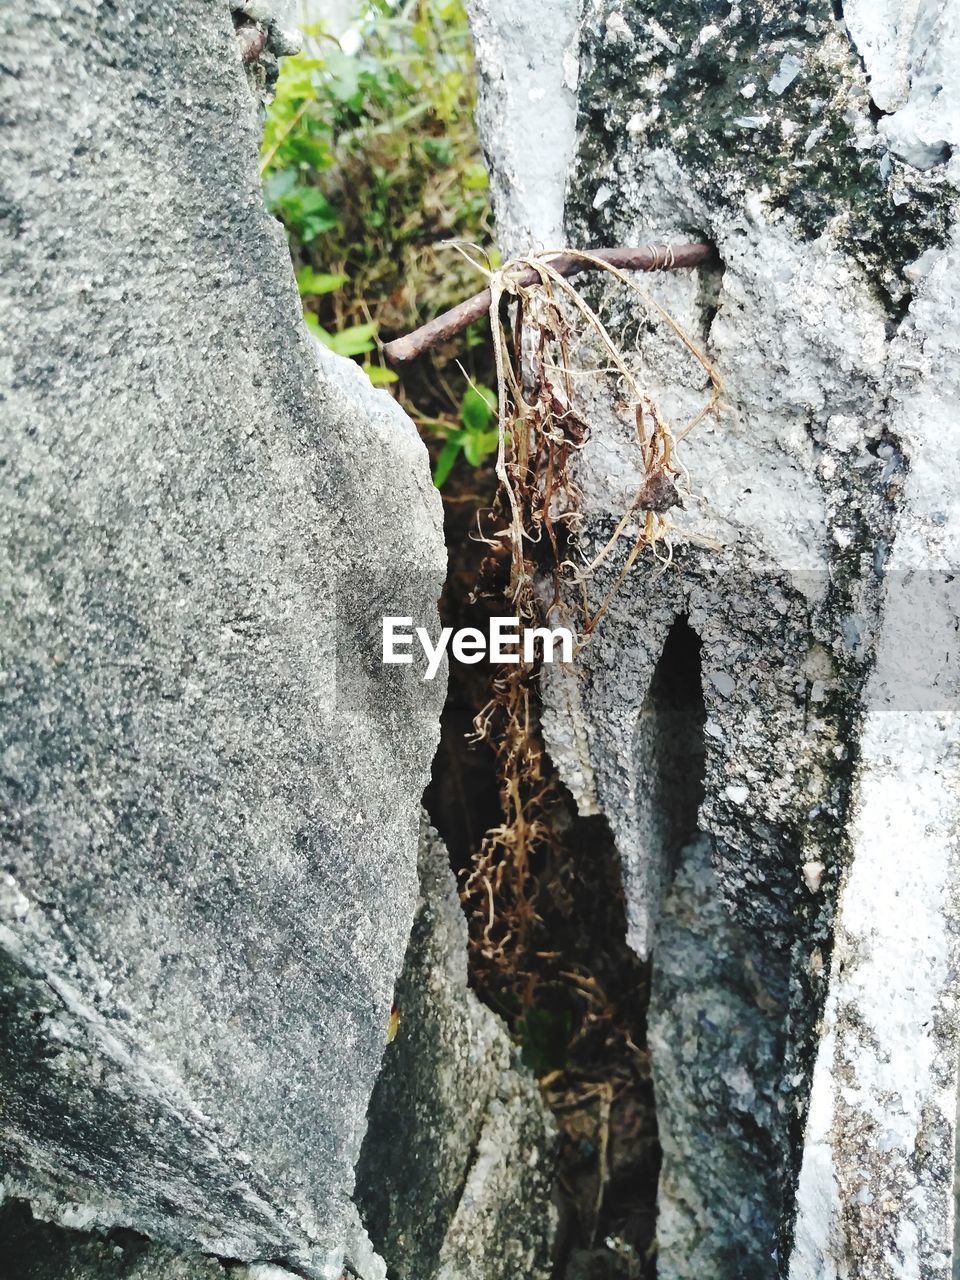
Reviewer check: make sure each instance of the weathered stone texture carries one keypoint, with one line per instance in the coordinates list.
(41, 1251)
(455, 1176)
(210, 801)
(827, 618)
(713, 1039)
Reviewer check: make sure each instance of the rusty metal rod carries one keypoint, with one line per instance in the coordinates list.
(450, 323)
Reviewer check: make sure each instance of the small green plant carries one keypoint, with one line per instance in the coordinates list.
(371, 161)
(476, 437)
(298, 146)
(314, 283)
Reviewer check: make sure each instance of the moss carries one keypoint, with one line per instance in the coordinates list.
(813, 152)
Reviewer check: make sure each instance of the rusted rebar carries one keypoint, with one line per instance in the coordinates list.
(450, 323)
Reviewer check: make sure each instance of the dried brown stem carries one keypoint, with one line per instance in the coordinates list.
(454, 321)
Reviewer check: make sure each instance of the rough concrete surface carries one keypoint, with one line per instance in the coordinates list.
(710, 1052)
(210, 799)
(879, 1174)
(31, 1249)
(454, 1179)
(34, 1250)
(818, 160)
(529, 62)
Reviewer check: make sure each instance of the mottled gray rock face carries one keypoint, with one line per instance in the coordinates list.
(210, 786)
(718, 1045)
(454, 1180)
(807, 953)
(33, 1249)
(41, 1251)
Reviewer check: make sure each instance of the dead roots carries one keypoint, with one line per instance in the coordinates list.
(543, 579)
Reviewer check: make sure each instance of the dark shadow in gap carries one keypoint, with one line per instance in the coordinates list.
(717, 1011)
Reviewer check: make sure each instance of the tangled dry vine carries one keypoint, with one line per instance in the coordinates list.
(535, 565)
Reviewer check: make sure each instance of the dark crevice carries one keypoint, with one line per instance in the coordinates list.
(712, 985)
(31, 1248)
(587, 1039)
(897, 312)
(34, 1249)
(575, 1000)
(462, 797)
(608, 1232)
(669, 755)
(709, 286)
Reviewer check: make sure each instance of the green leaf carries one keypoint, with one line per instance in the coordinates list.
(355, 341)
(439, 150)
(475, 178)
(279, 185)
(316, 328)
(478, 407)
(473, 447)
(306, 210)
(379, 376)
(311, 283)
(447, 457)
(344, 79)
(478, 444)
(312, 211)
(302, 152)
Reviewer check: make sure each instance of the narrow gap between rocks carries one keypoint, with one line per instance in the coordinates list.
(576, 996)
(669, 751)
(572, 993)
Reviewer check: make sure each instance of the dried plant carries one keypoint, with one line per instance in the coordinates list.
(534, 537)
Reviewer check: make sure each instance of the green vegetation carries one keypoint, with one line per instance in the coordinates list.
(371, 162)
(477, 436)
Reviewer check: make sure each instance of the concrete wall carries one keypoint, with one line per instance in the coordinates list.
(800, 909)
